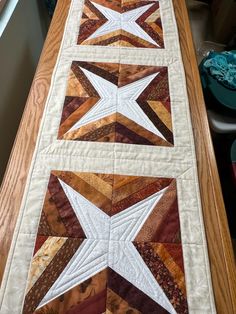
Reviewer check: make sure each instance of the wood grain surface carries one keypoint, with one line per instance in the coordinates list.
(13, 184)
(219, 243)
(220, 249)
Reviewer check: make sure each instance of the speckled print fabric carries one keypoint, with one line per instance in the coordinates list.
(117, 202)
(111, 218)
(121, 23)
(111, 102)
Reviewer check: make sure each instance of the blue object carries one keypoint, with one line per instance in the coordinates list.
(222, 66)
(218, 77)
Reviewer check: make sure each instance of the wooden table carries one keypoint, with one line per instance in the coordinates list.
(219, 243)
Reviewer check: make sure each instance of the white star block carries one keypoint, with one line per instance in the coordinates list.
(108, 243)
(121, 100)
(122, 21)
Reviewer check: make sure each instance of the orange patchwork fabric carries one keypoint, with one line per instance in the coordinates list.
(121, 24)
(107, 243)
(112, 102)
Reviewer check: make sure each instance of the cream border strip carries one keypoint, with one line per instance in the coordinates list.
(195, 254)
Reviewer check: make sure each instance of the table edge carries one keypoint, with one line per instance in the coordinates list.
(212, 201)
(222, 266)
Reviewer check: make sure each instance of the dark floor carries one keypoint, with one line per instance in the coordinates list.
(222, 146)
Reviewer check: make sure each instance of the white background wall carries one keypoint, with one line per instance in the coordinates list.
(20, 46)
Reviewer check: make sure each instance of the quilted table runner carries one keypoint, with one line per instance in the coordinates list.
(111, 219)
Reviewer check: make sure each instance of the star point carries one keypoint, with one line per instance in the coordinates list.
(108, 243)
(122, 21)
(114, 99)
